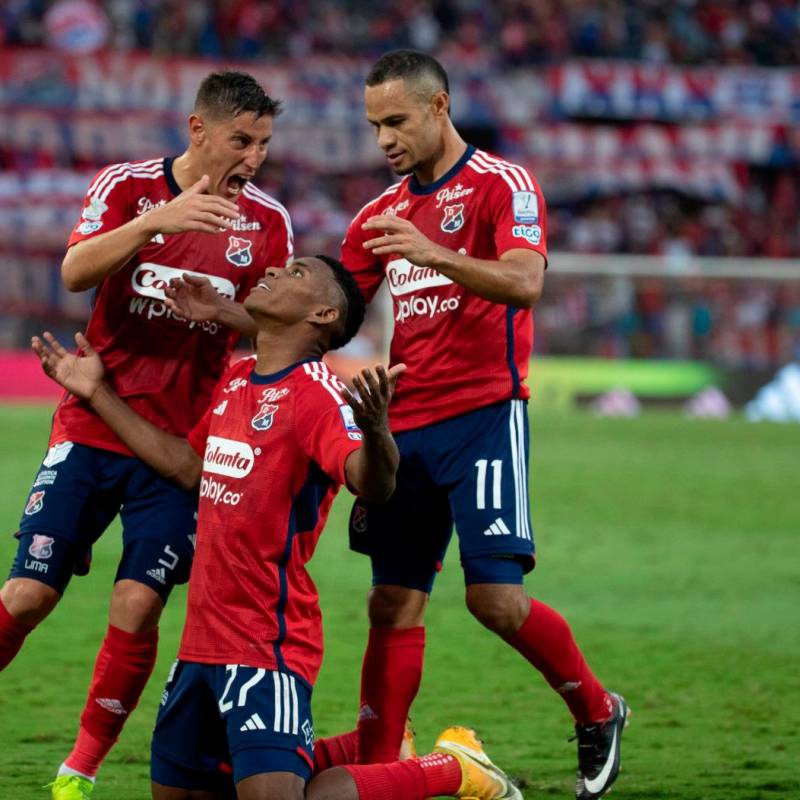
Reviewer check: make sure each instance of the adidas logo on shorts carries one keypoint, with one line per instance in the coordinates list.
(255, 723)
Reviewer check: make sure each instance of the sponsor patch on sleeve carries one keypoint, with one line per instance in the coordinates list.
(90, 226)
(526, 207)
(353, 431)
(531, 233)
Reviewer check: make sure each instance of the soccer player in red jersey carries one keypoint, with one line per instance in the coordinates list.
(142, 224)
(280, 437)
(461, 242)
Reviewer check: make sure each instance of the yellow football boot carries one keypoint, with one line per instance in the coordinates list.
(71, 787)
(480, 778)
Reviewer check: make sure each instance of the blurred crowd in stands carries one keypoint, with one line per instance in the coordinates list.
(522, 31)
(736, 323)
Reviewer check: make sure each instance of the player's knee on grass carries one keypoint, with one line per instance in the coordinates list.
(135, 608)
(396, 607)
(333, 784)
(502, 608)
(28, 600)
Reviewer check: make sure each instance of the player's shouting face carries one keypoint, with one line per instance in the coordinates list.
(232, 148)
(407, 119)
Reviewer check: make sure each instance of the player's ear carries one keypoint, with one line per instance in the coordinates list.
(323, 315)
(197, 129)
(440, 103)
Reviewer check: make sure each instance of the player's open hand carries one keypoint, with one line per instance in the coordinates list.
(193, 298)
(400, 236)
(192, 210)
(80, 374)
(373, 389)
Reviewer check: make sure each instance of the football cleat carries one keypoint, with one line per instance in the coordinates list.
(70, 787)
(598, 752)
(408, 748)
(480, 778)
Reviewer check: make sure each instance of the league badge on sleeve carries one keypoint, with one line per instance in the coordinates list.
(353, 431)
(35, 504)
(453, 218)
(526, 207)
(263, 420)
(239, 251)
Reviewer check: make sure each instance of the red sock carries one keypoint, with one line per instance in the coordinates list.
(415, 779)
(390, 679)
(335, 751)
(546, 640)
(12, 635)
(121, 671)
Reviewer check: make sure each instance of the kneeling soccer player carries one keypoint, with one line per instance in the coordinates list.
(280, 437)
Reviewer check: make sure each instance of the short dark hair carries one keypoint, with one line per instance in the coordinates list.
(229, 93)
(356, 305)
(409, 65)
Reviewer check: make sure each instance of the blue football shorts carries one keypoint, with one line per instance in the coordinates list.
(77, 493)
(471, 470)
(222, 723)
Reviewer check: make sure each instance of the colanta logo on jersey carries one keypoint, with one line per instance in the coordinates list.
(239, 251)
(228, 457)
(453, 219)
(405, 277)
(150, 280)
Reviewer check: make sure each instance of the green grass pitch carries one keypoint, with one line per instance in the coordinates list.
(671, 546)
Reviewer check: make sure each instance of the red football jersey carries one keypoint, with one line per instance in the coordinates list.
(163, 365)
(462, 351)
(274, 449)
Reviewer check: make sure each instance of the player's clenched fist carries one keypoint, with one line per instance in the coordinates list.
(81, 375)
(191, 210)
(373, 392)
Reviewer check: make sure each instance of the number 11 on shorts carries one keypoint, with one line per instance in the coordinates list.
(481, 465)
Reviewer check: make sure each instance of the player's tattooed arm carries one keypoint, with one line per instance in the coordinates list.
(88, 262)
(516, 279)
(195, 298)
(84, 376)
(371, 470)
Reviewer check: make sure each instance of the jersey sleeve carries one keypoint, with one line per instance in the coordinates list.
(327, 431)
(519, 213)
(365, 268)
(197, 436)
(106, 206)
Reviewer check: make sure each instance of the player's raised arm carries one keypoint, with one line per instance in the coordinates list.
(515, 279)
(83, 376)
(194, 297)
(371, 469)
(87, 262)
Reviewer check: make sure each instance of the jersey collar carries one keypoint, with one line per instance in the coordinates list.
(415, 187)
(169, 177)
(274, 377)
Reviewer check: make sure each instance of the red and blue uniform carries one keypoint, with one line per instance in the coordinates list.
(458, 413)
(274, 449)
(163, 366)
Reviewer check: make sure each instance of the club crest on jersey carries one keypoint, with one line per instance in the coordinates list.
(239, 251)
(453, 219)
(35, 504)
(41, 546)
(263, 420)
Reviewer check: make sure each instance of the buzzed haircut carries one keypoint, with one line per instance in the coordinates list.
(229, 93)
(409, 65)
(356, 305)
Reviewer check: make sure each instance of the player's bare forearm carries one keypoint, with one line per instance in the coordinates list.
(515, 280)
(235, 316)
(170, 456)
(373, 470)
(88, 262)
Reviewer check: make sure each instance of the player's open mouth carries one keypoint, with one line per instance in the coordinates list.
(235, 184)
(395, 157)
(262, 285)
